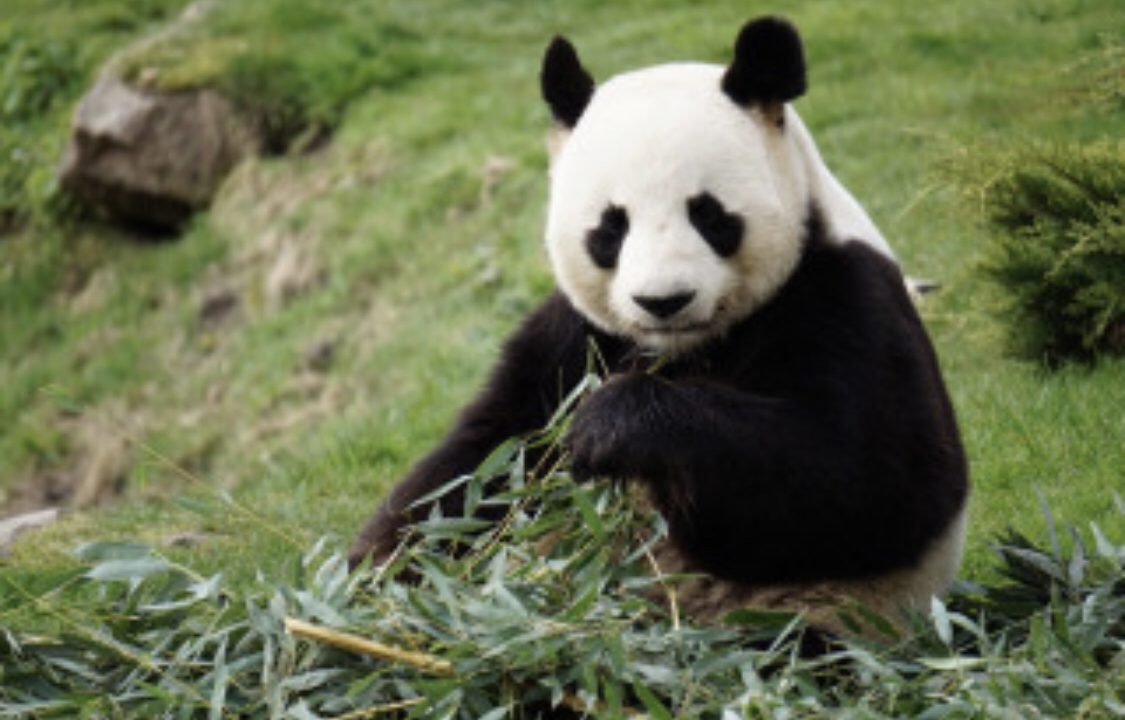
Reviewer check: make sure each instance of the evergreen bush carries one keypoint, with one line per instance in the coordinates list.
(1060, 250)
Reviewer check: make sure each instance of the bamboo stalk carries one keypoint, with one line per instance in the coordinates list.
(363, 646)
(673, 603)
(417, 660)
(375, 711)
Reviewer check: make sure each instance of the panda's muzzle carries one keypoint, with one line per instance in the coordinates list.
(666, 306)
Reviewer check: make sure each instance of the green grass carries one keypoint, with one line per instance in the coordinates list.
(422, 272)
(539, 611)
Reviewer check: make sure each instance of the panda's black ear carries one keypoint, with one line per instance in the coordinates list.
(566, 85)
(768, 65)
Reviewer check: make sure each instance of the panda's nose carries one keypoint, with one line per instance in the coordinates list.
(666, 306)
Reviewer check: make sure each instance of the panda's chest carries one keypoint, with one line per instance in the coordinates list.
(748, 359)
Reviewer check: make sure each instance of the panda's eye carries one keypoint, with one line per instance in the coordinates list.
(721, 229)
(604, 242)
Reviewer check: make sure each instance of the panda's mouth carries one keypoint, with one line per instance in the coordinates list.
(684, 329)
(673, 338)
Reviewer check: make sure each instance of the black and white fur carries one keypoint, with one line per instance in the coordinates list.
(799, 439)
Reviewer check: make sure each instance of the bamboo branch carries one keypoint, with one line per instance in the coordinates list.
(363, 646)
(375, 711)
(673, 603)
(417, 660)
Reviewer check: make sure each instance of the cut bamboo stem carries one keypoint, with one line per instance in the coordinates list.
(363, 646)
(673, 603)
(420, 661)
(377, 710)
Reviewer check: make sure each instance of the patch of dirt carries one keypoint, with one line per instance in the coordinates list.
(217, 305)
(275, 260)
(92, 472)
(319, 356)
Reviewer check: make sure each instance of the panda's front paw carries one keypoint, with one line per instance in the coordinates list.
(607, 436)
(591, 446)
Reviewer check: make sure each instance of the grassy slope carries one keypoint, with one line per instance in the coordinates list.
(426, 272)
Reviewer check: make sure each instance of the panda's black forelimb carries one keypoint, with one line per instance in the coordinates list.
(749, 485)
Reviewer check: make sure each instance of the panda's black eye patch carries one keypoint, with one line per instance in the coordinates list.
(604, 242)
(721, 229)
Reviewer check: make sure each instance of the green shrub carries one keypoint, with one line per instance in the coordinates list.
(1060, 250)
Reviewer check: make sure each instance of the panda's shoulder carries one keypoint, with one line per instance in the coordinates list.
(842, 295)
(554, 334)
(850, 274)
(552, 325)
(556, 322)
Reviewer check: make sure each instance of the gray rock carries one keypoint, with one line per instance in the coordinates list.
(152, 157)
(11, 528)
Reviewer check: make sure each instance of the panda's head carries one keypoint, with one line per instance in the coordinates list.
(678, 200)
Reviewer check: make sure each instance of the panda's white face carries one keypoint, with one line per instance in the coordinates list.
(674, 211)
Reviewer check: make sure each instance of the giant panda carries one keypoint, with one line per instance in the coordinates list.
(798, 439)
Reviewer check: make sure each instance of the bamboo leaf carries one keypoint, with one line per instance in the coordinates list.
(656, 709)
(942, 624)
(222, 678)
(102, 551)
(499, 460)
(1106, 549)
(590, 518)
(134, 569)
(948, 664)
